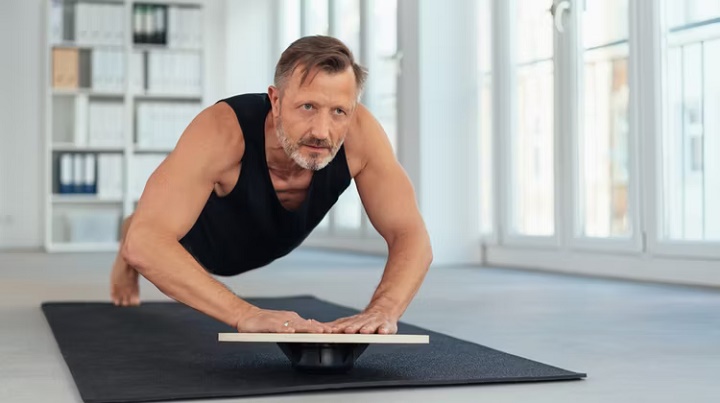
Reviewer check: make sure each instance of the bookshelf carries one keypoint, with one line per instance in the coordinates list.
(123, 79)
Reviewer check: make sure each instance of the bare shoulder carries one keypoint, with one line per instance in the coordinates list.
(214, 136)
(366, 139)
(215, 127)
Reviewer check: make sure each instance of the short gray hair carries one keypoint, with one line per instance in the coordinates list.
(322, 52)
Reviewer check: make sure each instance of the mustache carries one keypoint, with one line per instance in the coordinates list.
(315, 142)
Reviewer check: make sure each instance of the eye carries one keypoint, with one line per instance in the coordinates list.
(339, 111)
(307, 107)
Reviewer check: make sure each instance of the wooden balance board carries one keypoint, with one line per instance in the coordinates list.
(323, 352)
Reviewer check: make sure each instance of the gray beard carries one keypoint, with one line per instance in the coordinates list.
(293, 150)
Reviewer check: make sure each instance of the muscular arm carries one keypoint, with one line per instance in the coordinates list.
(389, 199)
(173, 199)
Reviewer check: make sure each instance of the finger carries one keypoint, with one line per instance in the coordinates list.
(338, 325)
(352, 323)
(309, 326)
(387, 328)
(344, 319)
(370, 327)
(326, 328)
(286, 326)
(135, 300)
(319, 327)
(354, 326)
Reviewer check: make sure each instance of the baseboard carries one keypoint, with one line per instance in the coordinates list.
(372, 246)
(640, 267)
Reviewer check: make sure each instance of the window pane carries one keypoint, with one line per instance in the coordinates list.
(683, 12)
(604, 22)
(532, 209)
(706, 153)
(486, 135)
(385, 63)
(690, 186)
(347, 24)
(603, 141)
(382, 87)
(316, 17)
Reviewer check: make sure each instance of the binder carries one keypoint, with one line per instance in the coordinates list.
(65, 175)
(89, 182)
(148, 23)
(160, 24)
(138, 23)
(109, 176)
(78, 173)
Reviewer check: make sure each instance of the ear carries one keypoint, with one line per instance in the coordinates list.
(274, 95)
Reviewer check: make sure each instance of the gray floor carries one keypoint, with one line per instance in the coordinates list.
(637, 342)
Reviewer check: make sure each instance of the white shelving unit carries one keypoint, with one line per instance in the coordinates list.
(98, 37)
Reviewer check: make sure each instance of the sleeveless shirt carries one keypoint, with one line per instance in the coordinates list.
(249, 227)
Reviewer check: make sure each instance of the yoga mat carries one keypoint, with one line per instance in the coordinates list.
(168, 351)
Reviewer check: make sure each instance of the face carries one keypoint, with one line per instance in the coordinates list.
(312, 120)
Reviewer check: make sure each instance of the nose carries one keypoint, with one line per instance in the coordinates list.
(321, 127)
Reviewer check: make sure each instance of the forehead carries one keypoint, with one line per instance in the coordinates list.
(320, 85)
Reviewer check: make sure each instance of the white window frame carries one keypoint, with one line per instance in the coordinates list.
(645, 255)
(632, 244)
(505, 112)
(657, 244)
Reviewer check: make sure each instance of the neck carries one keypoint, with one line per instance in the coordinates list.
(277, 159)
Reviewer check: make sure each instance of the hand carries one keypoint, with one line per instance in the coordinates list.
(267, 321)
(366, 322)
(124, 284)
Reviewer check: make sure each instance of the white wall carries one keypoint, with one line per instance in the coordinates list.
(438, 97)
(21, 112)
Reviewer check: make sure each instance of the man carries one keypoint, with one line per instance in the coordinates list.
(250, 178)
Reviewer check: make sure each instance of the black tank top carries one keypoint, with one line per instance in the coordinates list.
(249, 227)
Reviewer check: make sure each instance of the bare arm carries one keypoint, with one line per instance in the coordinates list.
(171, 203)
(173, 199)
(389, 199)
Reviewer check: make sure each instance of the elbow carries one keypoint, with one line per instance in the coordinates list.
(428, 254)
(133, 249)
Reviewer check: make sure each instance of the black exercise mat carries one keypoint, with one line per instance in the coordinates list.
(167, 351)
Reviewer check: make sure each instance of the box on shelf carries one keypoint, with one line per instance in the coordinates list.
(65, 68)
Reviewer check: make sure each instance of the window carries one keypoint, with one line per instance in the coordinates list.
(607, 117)
(690, 175)
(346, 23)
(603, 141)
(532, 146)
(384, 64)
